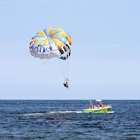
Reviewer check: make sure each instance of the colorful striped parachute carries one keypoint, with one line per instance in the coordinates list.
(51, 42)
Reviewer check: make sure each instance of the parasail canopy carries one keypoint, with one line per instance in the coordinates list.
(50, 43)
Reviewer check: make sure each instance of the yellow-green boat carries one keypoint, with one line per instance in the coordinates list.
(99, 108)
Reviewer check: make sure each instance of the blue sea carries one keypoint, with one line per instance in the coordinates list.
(65, 120)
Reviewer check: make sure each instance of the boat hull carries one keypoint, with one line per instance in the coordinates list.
(98, 110)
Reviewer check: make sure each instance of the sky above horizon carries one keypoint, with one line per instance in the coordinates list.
(105, 59)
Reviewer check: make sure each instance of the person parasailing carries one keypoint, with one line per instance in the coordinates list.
(66, 84)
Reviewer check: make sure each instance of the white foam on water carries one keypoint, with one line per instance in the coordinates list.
(63, 112)
(59, 112)
(34, 114)
(111, 112)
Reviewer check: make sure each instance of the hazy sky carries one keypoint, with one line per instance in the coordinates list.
(105, 59)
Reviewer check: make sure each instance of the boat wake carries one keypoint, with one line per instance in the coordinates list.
(111, 112)
(34, 114)
(64, 112)
(52, 112)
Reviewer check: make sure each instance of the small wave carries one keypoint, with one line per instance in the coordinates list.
(34, 114)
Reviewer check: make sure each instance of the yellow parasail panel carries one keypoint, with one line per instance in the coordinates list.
(41, 33)
(58, 43)
(46, 43)
(65, 35)
(38, 42)
(56, 29)
(48, 31)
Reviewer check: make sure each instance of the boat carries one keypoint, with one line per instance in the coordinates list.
(99, 108)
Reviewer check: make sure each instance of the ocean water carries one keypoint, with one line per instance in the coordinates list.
(65, 120)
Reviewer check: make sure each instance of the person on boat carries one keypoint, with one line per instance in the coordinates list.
(100, 105)
(91, 107)
(66, 84)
